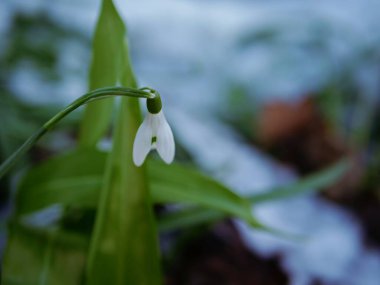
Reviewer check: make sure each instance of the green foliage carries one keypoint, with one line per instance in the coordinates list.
(195, 215)
(178, 184)
(75, 179)
(124, 243)
(69, 180)
(56, 181)
(122, 249)
(105, 69)
(124, 219)
(35, 256)
(311, 183)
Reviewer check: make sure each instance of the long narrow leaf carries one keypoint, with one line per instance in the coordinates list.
(78, 186)
(74, 179)
(104, 70)
(124, 246)
(312, 183)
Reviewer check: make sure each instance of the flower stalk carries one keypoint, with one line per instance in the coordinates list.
(97, 94)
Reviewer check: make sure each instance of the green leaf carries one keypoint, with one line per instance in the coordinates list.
(44, 257)
(312, 183)
(179, 184)
(74, 179)
(104, 71)
(124, 246)
(56, 181)
(188, 217)
(125, 219)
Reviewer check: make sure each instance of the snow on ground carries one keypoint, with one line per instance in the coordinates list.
(331, 247)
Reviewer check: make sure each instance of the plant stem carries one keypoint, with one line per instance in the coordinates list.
(97, 94)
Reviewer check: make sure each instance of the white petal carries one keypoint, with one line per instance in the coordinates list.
(165, 142)
(143, 142)
(155, 121)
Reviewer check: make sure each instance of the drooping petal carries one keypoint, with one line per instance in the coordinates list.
(143, 142)
(165, 141)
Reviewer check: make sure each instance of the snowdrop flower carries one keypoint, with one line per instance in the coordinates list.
(154, 133)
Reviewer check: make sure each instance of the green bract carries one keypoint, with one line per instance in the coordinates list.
(154, 105)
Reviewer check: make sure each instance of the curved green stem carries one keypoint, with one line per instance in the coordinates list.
(96, 94)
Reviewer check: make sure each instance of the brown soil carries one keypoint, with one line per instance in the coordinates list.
(219, 257)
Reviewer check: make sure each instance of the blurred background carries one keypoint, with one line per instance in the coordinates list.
(259, 94)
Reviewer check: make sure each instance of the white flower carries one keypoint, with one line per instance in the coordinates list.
(154, 133)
